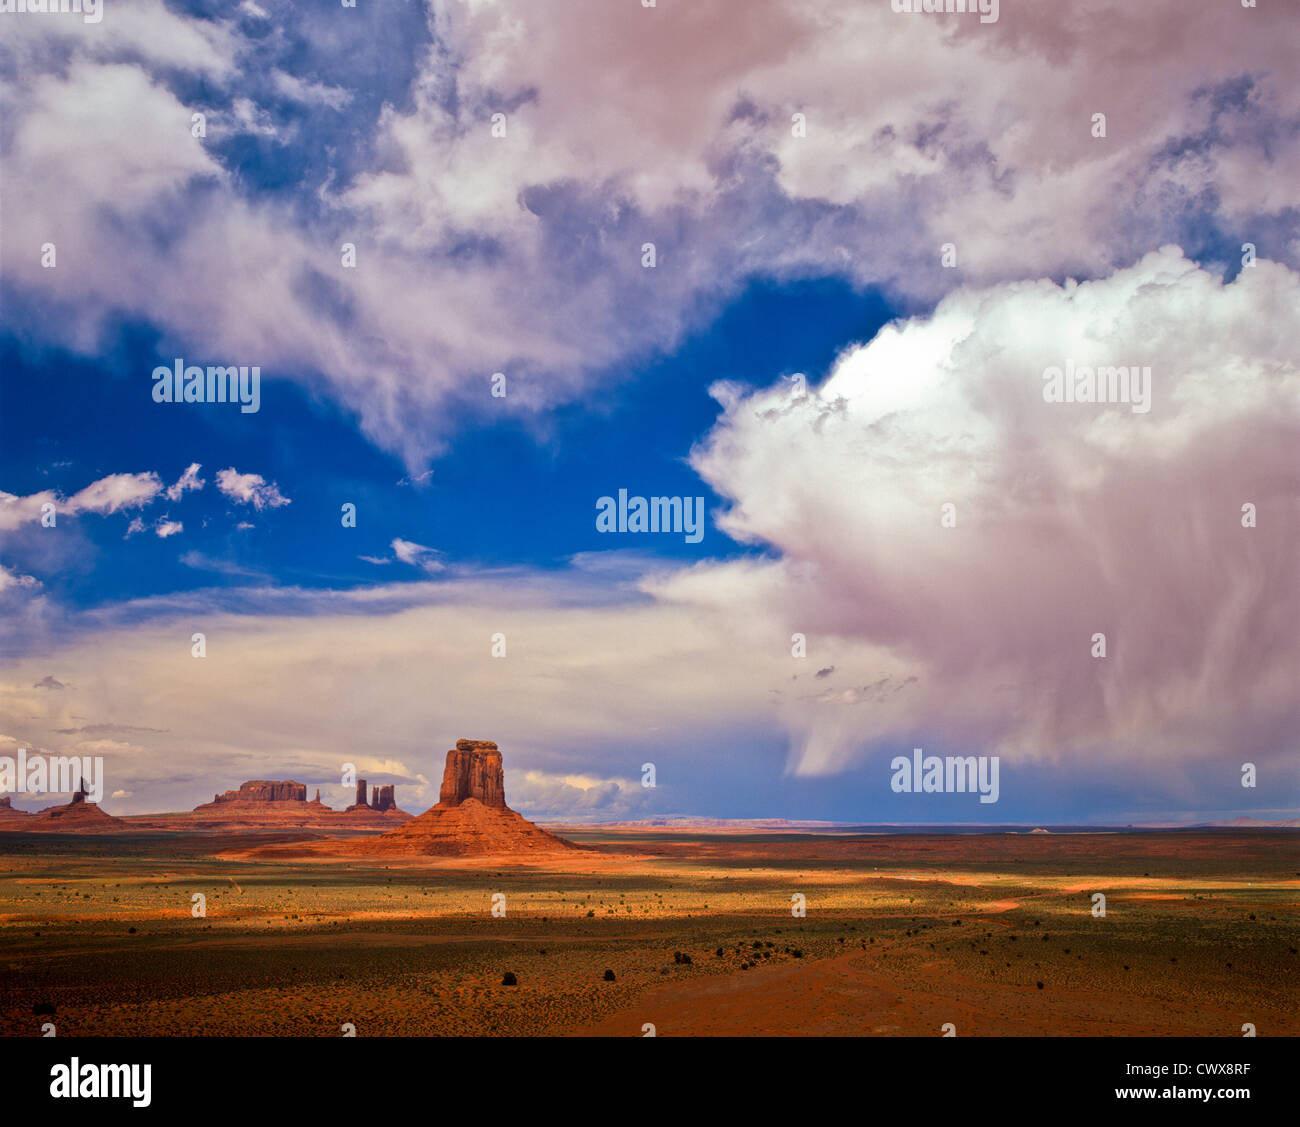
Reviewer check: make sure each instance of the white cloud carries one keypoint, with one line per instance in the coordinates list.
(551, 796)
(189, 480)
(147, 31)
(13, 579)
(165, 528)
(107, 495)
(114, 492)
(335, 97)
(250, 489)
(249, 117)
(16, 511)
(201, 562)
(417, 555)
(1071, 519)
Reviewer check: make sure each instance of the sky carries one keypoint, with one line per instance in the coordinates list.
(808, 266)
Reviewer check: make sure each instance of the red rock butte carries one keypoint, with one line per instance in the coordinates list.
(470, 818)
(473, 770)
(383, 800)
(77, 816)
(262, 790)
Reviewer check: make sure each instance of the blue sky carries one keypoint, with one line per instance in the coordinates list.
(500, 170)
(503, 494)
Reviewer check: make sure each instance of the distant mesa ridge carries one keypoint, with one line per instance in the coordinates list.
(287, 795)
(263, 790)
(260, 804)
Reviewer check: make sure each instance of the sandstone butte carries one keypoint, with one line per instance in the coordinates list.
(264, 790)
(382, 801)
(470, 818)
(77, 816)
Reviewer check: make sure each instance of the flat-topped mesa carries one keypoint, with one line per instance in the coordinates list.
(473, 771)
(264, 790)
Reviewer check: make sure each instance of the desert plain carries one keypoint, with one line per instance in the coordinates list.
(690, 932)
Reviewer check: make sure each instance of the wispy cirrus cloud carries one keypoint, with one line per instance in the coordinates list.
(417, 555)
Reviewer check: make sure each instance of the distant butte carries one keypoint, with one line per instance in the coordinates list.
(77, 816)
(262, 804)
(383, 800)
(262, 790)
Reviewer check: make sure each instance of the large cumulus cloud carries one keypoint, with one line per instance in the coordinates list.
(1071, 519)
